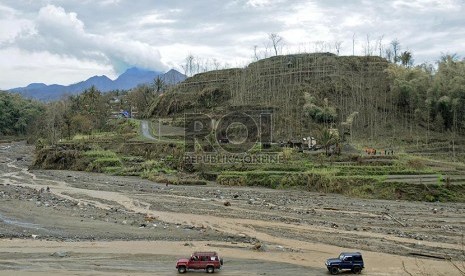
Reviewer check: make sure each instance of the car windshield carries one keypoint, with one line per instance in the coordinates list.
(341, 257)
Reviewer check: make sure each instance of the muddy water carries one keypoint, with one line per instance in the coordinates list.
(22, 224)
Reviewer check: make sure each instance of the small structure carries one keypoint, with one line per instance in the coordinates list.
(310, 142)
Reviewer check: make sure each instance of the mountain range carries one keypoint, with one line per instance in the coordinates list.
(131, 78)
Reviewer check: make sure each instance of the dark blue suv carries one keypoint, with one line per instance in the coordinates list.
(352, 261)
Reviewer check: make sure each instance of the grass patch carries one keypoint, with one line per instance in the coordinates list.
(100, 154)
(153, 169)
(94, 136)
(112, 170)
(98, 164)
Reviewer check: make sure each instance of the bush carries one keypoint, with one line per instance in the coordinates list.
(112, 170)
(416, 164)
(98, 164)
(231, 180)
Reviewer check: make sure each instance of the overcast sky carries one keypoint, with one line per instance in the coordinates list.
(65, 41)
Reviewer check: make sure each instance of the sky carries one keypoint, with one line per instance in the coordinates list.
(66, 41)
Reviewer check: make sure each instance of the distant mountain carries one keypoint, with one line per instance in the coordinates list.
(102, 83)
(173, 77)
(129, 79)
(36, 85)
(133, 77)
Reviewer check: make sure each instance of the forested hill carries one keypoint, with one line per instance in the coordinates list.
(364, 96)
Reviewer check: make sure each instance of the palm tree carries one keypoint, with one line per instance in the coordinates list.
(406, 58)
(327, 138)
(159, 85)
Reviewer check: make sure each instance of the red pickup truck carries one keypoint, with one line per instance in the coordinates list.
(209, 261)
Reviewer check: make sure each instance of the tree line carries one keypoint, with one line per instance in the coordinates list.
(430, 97)
(91, 111)
(17, 114)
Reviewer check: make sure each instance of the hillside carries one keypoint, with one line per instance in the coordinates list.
(390, 147)
(288, 85)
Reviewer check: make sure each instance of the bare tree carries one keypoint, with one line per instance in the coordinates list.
(185, 69)
(319, 46)
(395, 44)
(353, 44)
(189, 65)
(255, 54)
(368, 47)
(388, 54)
(380, 45)
(216, 64)
(266, 50)
(276, 41)
(196, 64)
(337, 46)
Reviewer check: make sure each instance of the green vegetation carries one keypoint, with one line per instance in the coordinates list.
(18, 116)
(100, 154)
(363, 97)
(102, 160)
(347, 103)
(358, 183)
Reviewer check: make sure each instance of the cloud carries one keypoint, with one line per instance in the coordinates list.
(20, 68)
(154, 19)
(108, 2)
(427, 5)
(11, 24)
(116, 34)
(60, 32)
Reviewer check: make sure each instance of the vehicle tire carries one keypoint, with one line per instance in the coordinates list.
(182, 269)
(221, 261)
(356, 269)
(334, 270)
(210, 269)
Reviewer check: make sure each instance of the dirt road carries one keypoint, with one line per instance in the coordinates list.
(95, 224)
(144, 124)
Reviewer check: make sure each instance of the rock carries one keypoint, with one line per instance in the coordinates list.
(149, 218)
(60, 254)
(235, 196)
(227, 203)
(258, 246)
